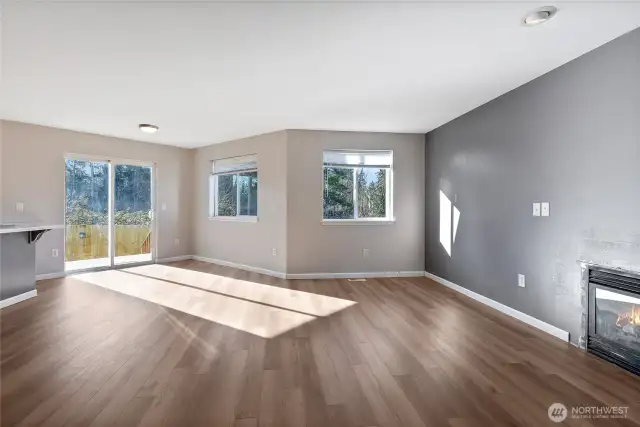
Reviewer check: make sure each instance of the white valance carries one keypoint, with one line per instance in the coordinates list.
(370, 158)
(235, 164)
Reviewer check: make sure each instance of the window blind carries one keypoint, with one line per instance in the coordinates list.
(235, 164)
(378, 159)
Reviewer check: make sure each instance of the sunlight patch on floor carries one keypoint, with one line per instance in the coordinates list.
(305, 302)
(262, 310)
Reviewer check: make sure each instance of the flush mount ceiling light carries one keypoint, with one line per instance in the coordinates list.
(539, 16)
(146, 128)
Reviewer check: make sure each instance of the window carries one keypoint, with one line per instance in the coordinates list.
(234, 188)
(357, 185)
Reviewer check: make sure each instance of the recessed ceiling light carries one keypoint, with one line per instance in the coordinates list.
(539, 16)
(146, 128)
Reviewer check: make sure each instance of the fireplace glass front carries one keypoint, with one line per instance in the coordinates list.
(614, 320)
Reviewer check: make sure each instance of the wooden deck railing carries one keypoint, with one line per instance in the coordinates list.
(146, 244)
(92, 241)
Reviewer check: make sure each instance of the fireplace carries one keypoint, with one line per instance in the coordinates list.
(613, 318)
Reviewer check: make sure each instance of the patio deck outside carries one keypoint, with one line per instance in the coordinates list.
(87, 246)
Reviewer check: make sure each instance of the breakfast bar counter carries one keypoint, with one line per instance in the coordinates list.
(18, 260)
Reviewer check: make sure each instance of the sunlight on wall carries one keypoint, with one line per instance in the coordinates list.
(456, 220)
(262, 310)
(448, 230)
(445, 222)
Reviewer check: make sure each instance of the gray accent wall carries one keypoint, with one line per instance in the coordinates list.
(571, 138)
(17, 265)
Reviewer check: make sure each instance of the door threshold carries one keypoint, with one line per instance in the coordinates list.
(108, 267)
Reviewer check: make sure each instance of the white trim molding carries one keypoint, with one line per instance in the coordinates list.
(372, 275)
(361, 221)
(530, 320)
(308, 276)
(174, 259)
(279, 274)
(48, 276)
(18, 298)
(239, 218)
(59, 274)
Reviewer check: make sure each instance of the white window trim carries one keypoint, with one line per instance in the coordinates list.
(388, 220)
(361, 221)
(213, 207)
(241, 218)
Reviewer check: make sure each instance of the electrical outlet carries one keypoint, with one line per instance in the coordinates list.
(164, 207)
(365, 253)
(54, 253)
(521, 280)
(536, 209)
(274, 252)
(545, 209)
(19, 207)
(176, 241)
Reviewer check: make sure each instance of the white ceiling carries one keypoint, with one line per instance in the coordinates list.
(212, 72)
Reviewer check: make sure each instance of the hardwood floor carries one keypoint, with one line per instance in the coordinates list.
(156, 347)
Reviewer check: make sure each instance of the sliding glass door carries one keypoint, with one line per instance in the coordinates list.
(109, 209)
(86, 214)
(132, 213)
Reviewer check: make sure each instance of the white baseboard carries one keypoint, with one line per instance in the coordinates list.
(48, 276)
(530, 320)
(174, 259)
(18, 298)
(241, 266)
(309, 276)
(371, 275)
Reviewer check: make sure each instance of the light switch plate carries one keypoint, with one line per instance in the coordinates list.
(545, 208)
(521, 280)
(19, 207)
(536, 209)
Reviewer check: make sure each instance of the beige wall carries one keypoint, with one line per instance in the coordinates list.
(32, 169)
(289, 198)
(1, 193)
(316, 248)
(241, 242)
